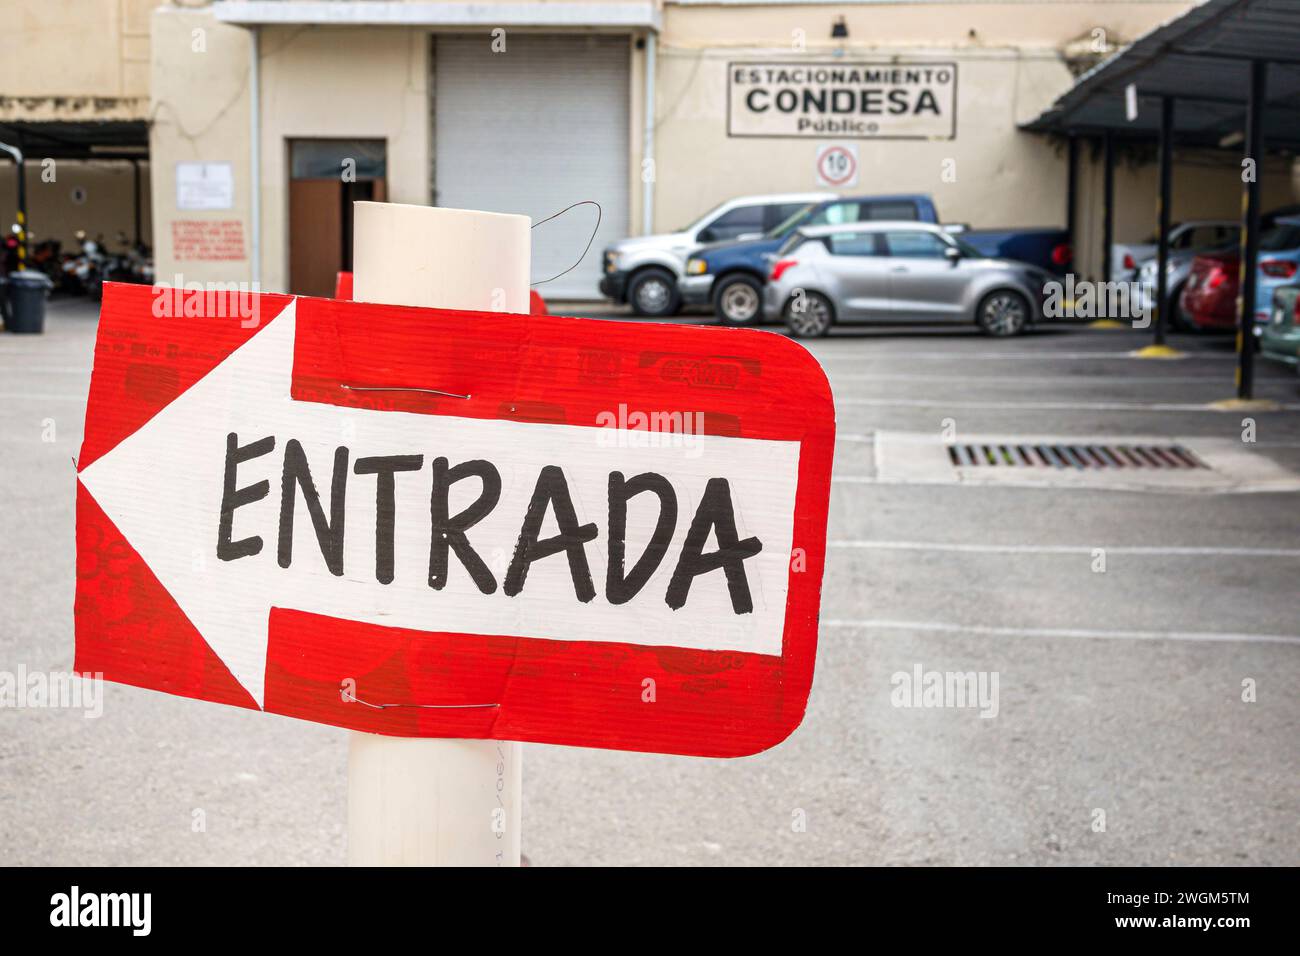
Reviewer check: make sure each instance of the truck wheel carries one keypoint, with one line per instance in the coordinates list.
(653, 292)
(1002, 313)
(811, 321)
(738, 300)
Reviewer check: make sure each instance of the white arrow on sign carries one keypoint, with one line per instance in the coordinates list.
(163, 489)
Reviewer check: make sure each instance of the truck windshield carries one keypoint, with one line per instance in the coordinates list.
(792, 221)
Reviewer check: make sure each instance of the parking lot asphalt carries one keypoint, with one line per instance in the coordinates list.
(1121, 735)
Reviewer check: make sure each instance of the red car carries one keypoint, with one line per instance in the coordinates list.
(1210, 296)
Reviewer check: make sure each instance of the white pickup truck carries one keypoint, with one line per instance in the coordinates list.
(643, 271)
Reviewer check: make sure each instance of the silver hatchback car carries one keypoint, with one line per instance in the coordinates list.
(897, 272)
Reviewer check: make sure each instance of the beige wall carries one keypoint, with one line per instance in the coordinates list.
(108, 206)
(378, 90)
(200, 104)
(373, 83)
(1206, 185)
(74, 59)
(309, 89)
(1009, 70)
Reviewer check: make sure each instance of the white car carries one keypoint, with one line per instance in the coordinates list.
(644, 271)
(1199, 235)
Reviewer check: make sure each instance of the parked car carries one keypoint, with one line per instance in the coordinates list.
(1210, 295)
(898, 272)
(731, 275)
(1049, 249)
(644, 271)
(1218, 237)
(1279, 340)
(1199, 235)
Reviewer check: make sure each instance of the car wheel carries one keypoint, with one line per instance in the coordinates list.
(813, 319)
(1002, 313)
(654, 293)
(738, 300)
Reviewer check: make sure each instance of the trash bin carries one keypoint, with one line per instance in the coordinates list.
(23, 298)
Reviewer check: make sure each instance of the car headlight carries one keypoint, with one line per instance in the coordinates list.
(696, 267)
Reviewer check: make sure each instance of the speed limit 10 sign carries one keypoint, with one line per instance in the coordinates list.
(837, 166)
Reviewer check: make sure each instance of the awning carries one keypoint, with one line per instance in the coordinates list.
(633, 15)
(1202, 58)
(127, 139)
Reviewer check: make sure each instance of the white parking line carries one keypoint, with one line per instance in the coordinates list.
(21, 396)
(867, 438)
(1054, 632)
(46, 369)
(1127, 356)
(1022, 379)
(859, 545)
(1044, 406)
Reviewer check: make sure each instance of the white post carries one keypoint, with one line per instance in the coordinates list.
(417, 801)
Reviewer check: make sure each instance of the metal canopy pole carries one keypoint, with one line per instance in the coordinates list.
(1162, 214)
(1108, 203)
(1071, 186)
(135, 182)
(1250, 232)
(17, 155)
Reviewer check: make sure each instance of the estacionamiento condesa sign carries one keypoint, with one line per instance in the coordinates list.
(854, 100)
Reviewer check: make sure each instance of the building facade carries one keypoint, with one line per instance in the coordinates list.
(74, 97)
(267, 118)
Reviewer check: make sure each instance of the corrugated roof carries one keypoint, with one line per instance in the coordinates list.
(1201, 58)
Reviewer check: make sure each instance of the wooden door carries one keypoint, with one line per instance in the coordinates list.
(315, 235)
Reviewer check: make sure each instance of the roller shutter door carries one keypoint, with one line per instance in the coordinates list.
(531, 130)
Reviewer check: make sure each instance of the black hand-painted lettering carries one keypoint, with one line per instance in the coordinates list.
(620, 587)
(329, 531)
(552, 489)
(385, 504)
(232, 497)
(449, 533)
(717, 512)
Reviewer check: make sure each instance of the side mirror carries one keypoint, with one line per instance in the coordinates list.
(952, 254)
(706, 235)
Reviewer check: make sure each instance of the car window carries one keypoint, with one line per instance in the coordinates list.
(852, 244)
(1280, 237)
(1207, 237)
(777, 213)
(738, 221)
(836, 214)
(884, 211)
(801, 218)
(915, 244)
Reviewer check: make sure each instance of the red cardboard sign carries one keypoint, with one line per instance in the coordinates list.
(445, 524)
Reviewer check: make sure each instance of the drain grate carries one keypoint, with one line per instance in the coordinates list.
(1163, 457)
